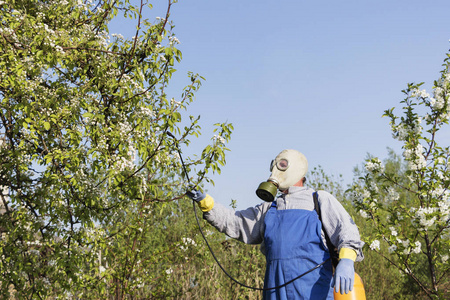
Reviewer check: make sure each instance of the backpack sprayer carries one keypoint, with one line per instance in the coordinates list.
(358, 290)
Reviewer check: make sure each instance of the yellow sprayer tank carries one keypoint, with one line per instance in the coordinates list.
(357, 293)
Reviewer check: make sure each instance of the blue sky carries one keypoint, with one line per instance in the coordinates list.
(315, 76)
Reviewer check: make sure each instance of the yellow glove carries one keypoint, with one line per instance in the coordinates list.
(347, 253)
(206, 204)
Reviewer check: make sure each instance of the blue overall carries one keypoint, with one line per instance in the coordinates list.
(293, 246)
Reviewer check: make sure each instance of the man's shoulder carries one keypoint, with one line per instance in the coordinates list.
(325, 196)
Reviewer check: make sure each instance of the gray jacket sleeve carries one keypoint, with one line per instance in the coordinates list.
(339, 225)
(246, 225)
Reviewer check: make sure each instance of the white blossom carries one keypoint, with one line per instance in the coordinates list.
(218, 139)
(145, 112)
(422, 216)
(118, 36)
(173, 40)
(444, 208)
(174, 102)
(392, 194)
(447, 78)
(187, 241)
(417, 249)
(375, 245)
(393, 231)
(405, 243)
(392, 248)
(374, 166)
(415, 157)
(427, 223)
(420, 93)
(373, 187)
(366, 194)
(363, 214)
(401, 131)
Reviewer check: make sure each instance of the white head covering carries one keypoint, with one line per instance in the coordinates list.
(288, 168)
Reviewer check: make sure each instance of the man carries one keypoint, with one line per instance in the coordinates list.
(290, 232)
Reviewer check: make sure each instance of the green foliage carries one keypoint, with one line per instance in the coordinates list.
(318, 179)
(408, 203)
(90, 178)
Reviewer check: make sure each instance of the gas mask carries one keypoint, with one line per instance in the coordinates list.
(287, 169)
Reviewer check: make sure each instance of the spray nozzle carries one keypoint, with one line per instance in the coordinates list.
(170, 134)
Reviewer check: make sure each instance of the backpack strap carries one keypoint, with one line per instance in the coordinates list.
(331, 248)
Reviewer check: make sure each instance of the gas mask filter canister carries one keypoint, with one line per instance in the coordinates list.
(288, 168)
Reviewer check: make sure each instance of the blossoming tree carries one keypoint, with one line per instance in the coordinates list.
(86, 162)
(409, 209)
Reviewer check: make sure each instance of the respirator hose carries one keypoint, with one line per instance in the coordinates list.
(212, 252)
